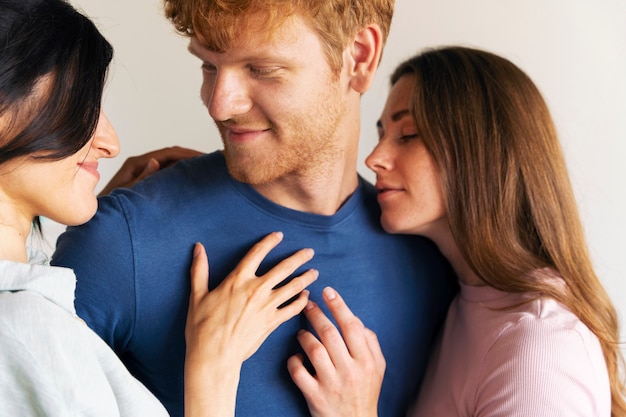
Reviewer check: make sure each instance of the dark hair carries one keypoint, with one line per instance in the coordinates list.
(509, 201)
(53, 65)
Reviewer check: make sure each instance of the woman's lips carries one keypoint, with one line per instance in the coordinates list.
(91, 167)
(386, 191)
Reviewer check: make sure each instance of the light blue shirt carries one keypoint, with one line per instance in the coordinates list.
(51, 363)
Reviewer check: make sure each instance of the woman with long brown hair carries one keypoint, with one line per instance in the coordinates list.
(469, 157)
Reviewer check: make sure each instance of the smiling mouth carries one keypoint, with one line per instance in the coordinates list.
(92, 168)
(242, 136)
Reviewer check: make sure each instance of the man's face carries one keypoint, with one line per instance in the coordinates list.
(275, 101)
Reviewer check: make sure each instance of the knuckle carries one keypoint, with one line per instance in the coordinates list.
(330, 334)
(298, 284)
(317, 353)
(370, 368)
(299, 373)
(354, 325)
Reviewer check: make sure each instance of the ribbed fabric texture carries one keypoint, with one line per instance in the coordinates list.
(536, 360)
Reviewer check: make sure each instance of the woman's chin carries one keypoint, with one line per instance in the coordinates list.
(78, 217)
(390, 227)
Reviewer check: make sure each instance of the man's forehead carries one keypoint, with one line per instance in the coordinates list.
(252, 38)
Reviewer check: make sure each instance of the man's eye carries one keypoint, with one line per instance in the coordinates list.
(261, 72)
(208, 68)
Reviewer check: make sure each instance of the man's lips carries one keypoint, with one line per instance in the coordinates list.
(242, 135)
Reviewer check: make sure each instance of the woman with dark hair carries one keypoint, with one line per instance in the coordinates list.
(53, 66)
(468, 156)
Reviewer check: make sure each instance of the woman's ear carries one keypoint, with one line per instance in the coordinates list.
(364, 55)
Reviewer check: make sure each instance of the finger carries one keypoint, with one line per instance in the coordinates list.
(252, 260)
(317, 352)
(290, 310)
(199, 272)
(268, 323)
(377, 353)
(328, 335)
(351, 326)
(287, 266)
(286, 292)
(300, 375)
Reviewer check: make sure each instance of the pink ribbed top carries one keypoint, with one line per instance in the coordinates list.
(536, 360)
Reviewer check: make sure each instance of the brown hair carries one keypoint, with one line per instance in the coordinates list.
(219, 23)
(509, 200)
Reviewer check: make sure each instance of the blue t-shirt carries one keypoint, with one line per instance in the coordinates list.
(132, 264)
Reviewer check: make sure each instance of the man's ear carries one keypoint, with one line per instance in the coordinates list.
(365, 53)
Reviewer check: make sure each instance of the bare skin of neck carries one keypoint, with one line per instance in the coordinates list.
(13, 241)
(329, 178)
(321, 189)
(450, 250)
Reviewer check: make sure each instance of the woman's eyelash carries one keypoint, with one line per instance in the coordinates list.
(408, 137)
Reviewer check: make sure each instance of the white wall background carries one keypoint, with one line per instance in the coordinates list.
(575, 50)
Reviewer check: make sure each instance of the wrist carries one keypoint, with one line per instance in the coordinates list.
(210, 388)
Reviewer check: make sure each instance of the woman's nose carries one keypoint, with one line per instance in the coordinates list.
(105, 139)
(378, 159)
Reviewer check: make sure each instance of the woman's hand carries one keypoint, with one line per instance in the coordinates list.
(136, 168)
(349, 370)
(227, 325)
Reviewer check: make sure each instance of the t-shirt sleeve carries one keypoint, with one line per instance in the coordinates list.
(101, 254)
(537, 368)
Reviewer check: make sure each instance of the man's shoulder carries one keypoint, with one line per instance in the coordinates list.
(183, 180)
(192, 172)
(208, 163)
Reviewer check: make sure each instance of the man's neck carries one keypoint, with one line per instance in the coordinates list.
(321, 192)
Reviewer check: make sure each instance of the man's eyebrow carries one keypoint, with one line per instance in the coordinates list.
(192, 50)
(195, 48)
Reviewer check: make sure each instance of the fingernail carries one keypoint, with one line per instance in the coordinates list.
(310, 305)
(197, 249)
(329, 293)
